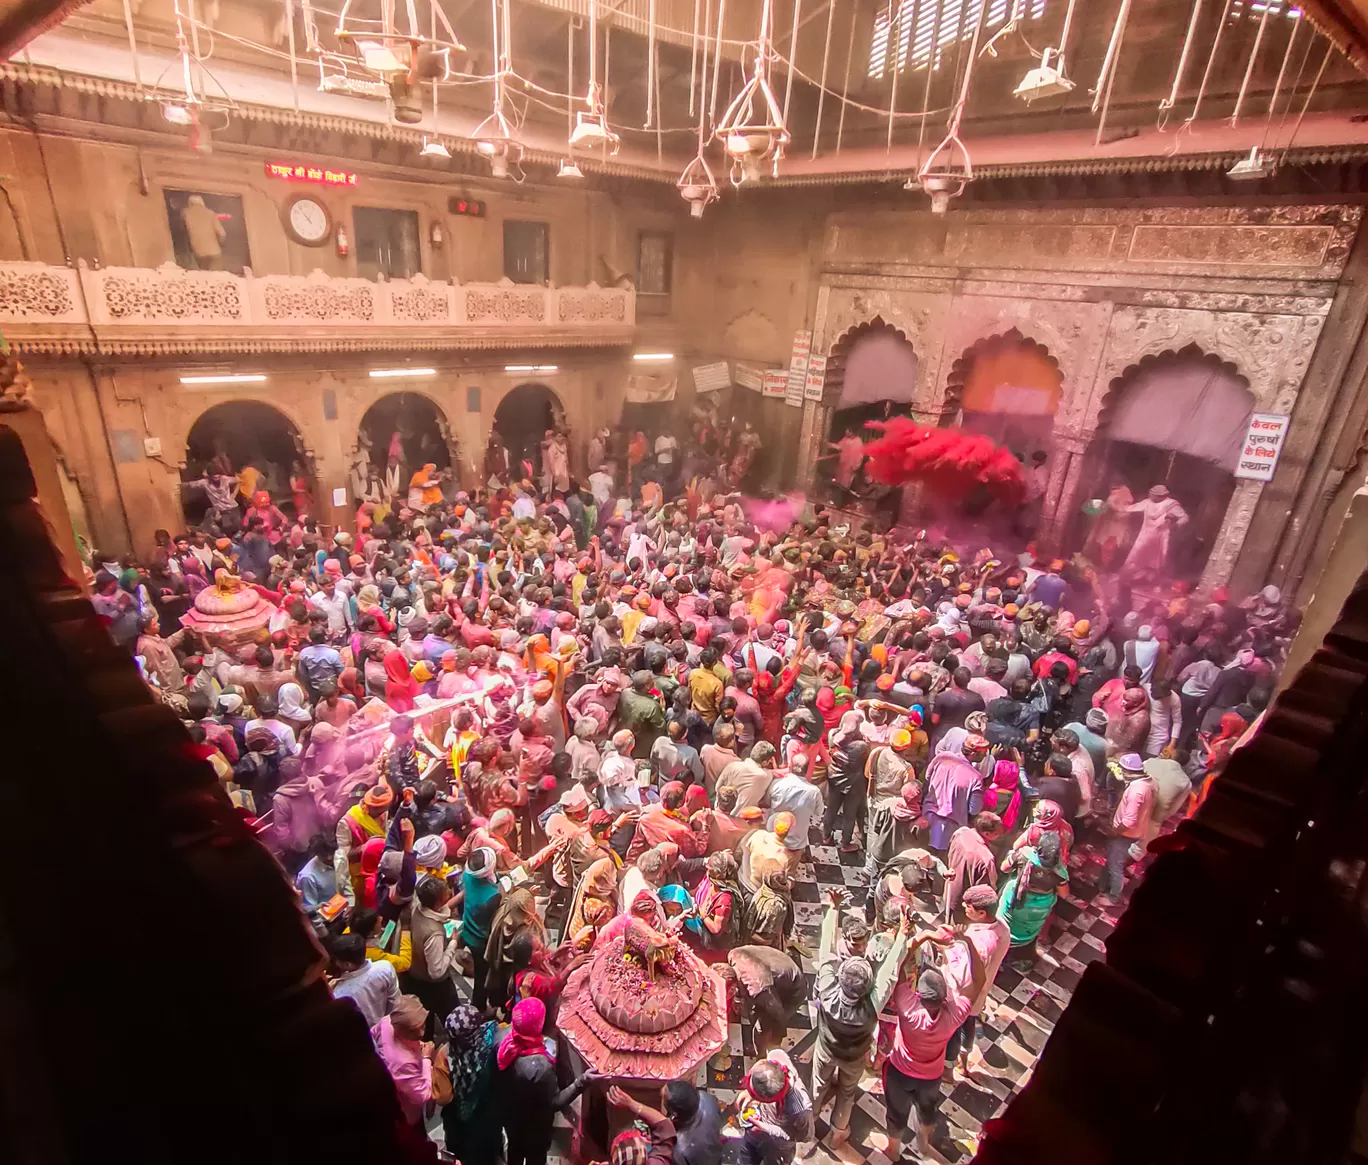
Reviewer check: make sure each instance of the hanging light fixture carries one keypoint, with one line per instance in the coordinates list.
(591, 125)
(697, 186)
(1047, 79)
(177, 113)
(948, 168)
(752, 129)
(1261, 162)
(433, 148)
(1253, 166)
(493, 137)
(568, 169)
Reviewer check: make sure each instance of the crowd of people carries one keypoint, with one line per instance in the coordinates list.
(491, 730)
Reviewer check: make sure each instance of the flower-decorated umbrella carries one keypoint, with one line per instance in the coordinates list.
(642, 1010)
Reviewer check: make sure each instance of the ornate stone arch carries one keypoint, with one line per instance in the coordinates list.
(958, 375)
(1192, 353)
(444, 429)
(528, 392)
(288, 414)
(834, 384)
(290, 424)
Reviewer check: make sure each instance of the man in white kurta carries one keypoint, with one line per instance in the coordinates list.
(1160, 516)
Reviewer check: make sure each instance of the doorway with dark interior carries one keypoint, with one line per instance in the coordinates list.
(240, 434)
(521, 421)
(410, 425)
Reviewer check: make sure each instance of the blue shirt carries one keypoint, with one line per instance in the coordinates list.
(319, 662)
(481, 901)
(316, 883)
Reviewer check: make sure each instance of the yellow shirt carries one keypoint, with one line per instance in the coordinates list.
(630, 622)
(400, 962)
(705, 692)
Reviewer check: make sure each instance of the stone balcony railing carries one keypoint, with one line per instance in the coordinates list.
(170, 310)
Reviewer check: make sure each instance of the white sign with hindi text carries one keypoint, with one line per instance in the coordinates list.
(774, 382)
(816, 378)
(748, 376)
(712, 377)
(1262, 444)
(797, 369)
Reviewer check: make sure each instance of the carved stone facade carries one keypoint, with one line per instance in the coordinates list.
(166, 309)
(1100, 289)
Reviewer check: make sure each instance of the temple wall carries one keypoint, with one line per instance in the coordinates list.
(101, 415)
(1275, 291)
(73, 198)
(1101, 289)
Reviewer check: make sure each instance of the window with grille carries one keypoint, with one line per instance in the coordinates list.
(654, 255)
(915, 34)
(527, 247)
(1239, 9)
(386, 242)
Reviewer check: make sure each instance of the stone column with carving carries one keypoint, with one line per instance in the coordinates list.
(1064, 493)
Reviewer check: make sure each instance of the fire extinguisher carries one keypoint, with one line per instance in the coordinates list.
(343, 246)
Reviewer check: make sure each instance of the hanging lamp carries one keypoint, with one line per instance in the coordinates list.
(1261, 162)
(1048, 79)
(944, 175)
(591, 125)
(493, 137)
(752, 129)
(697, 186)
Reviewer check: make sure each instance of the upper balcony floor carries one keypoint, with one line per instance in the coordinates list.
(171, 310)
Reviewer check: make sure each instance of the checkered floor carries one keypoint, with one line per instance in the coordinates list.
(1023, 1012)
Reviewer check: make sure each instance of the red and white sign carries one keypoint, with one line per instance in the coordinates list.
(319, 175)
(816, 378)
(1262, 444)
(775, 381)
(797, 369)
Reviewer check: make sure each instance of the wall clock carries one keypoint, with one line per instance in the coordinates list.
(307, 221)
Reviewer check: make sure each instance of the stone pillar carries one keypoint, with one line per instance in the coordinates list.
(1239, 513)
(1064, 493)
(26, 422)
(812, 440)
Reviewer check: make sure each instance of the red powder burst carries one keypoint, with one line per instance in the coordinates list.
(950, 460)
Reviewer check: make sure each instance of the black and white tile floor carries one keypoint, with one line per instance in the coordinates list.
(1022, 1014)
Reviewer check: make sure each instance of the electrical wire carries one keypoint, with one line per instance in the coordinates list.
(821, 97)
(1249, 68)
(1282, 72)
(1186, 127)
(467, 79)
(1325, 60)
(1296, 83)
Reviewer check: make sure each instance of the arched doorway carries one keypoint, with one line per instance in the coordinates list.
(1007, 387)
(241, 433)
(522, 418)
(410, 424)
(1178, 420)
(871, 376)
